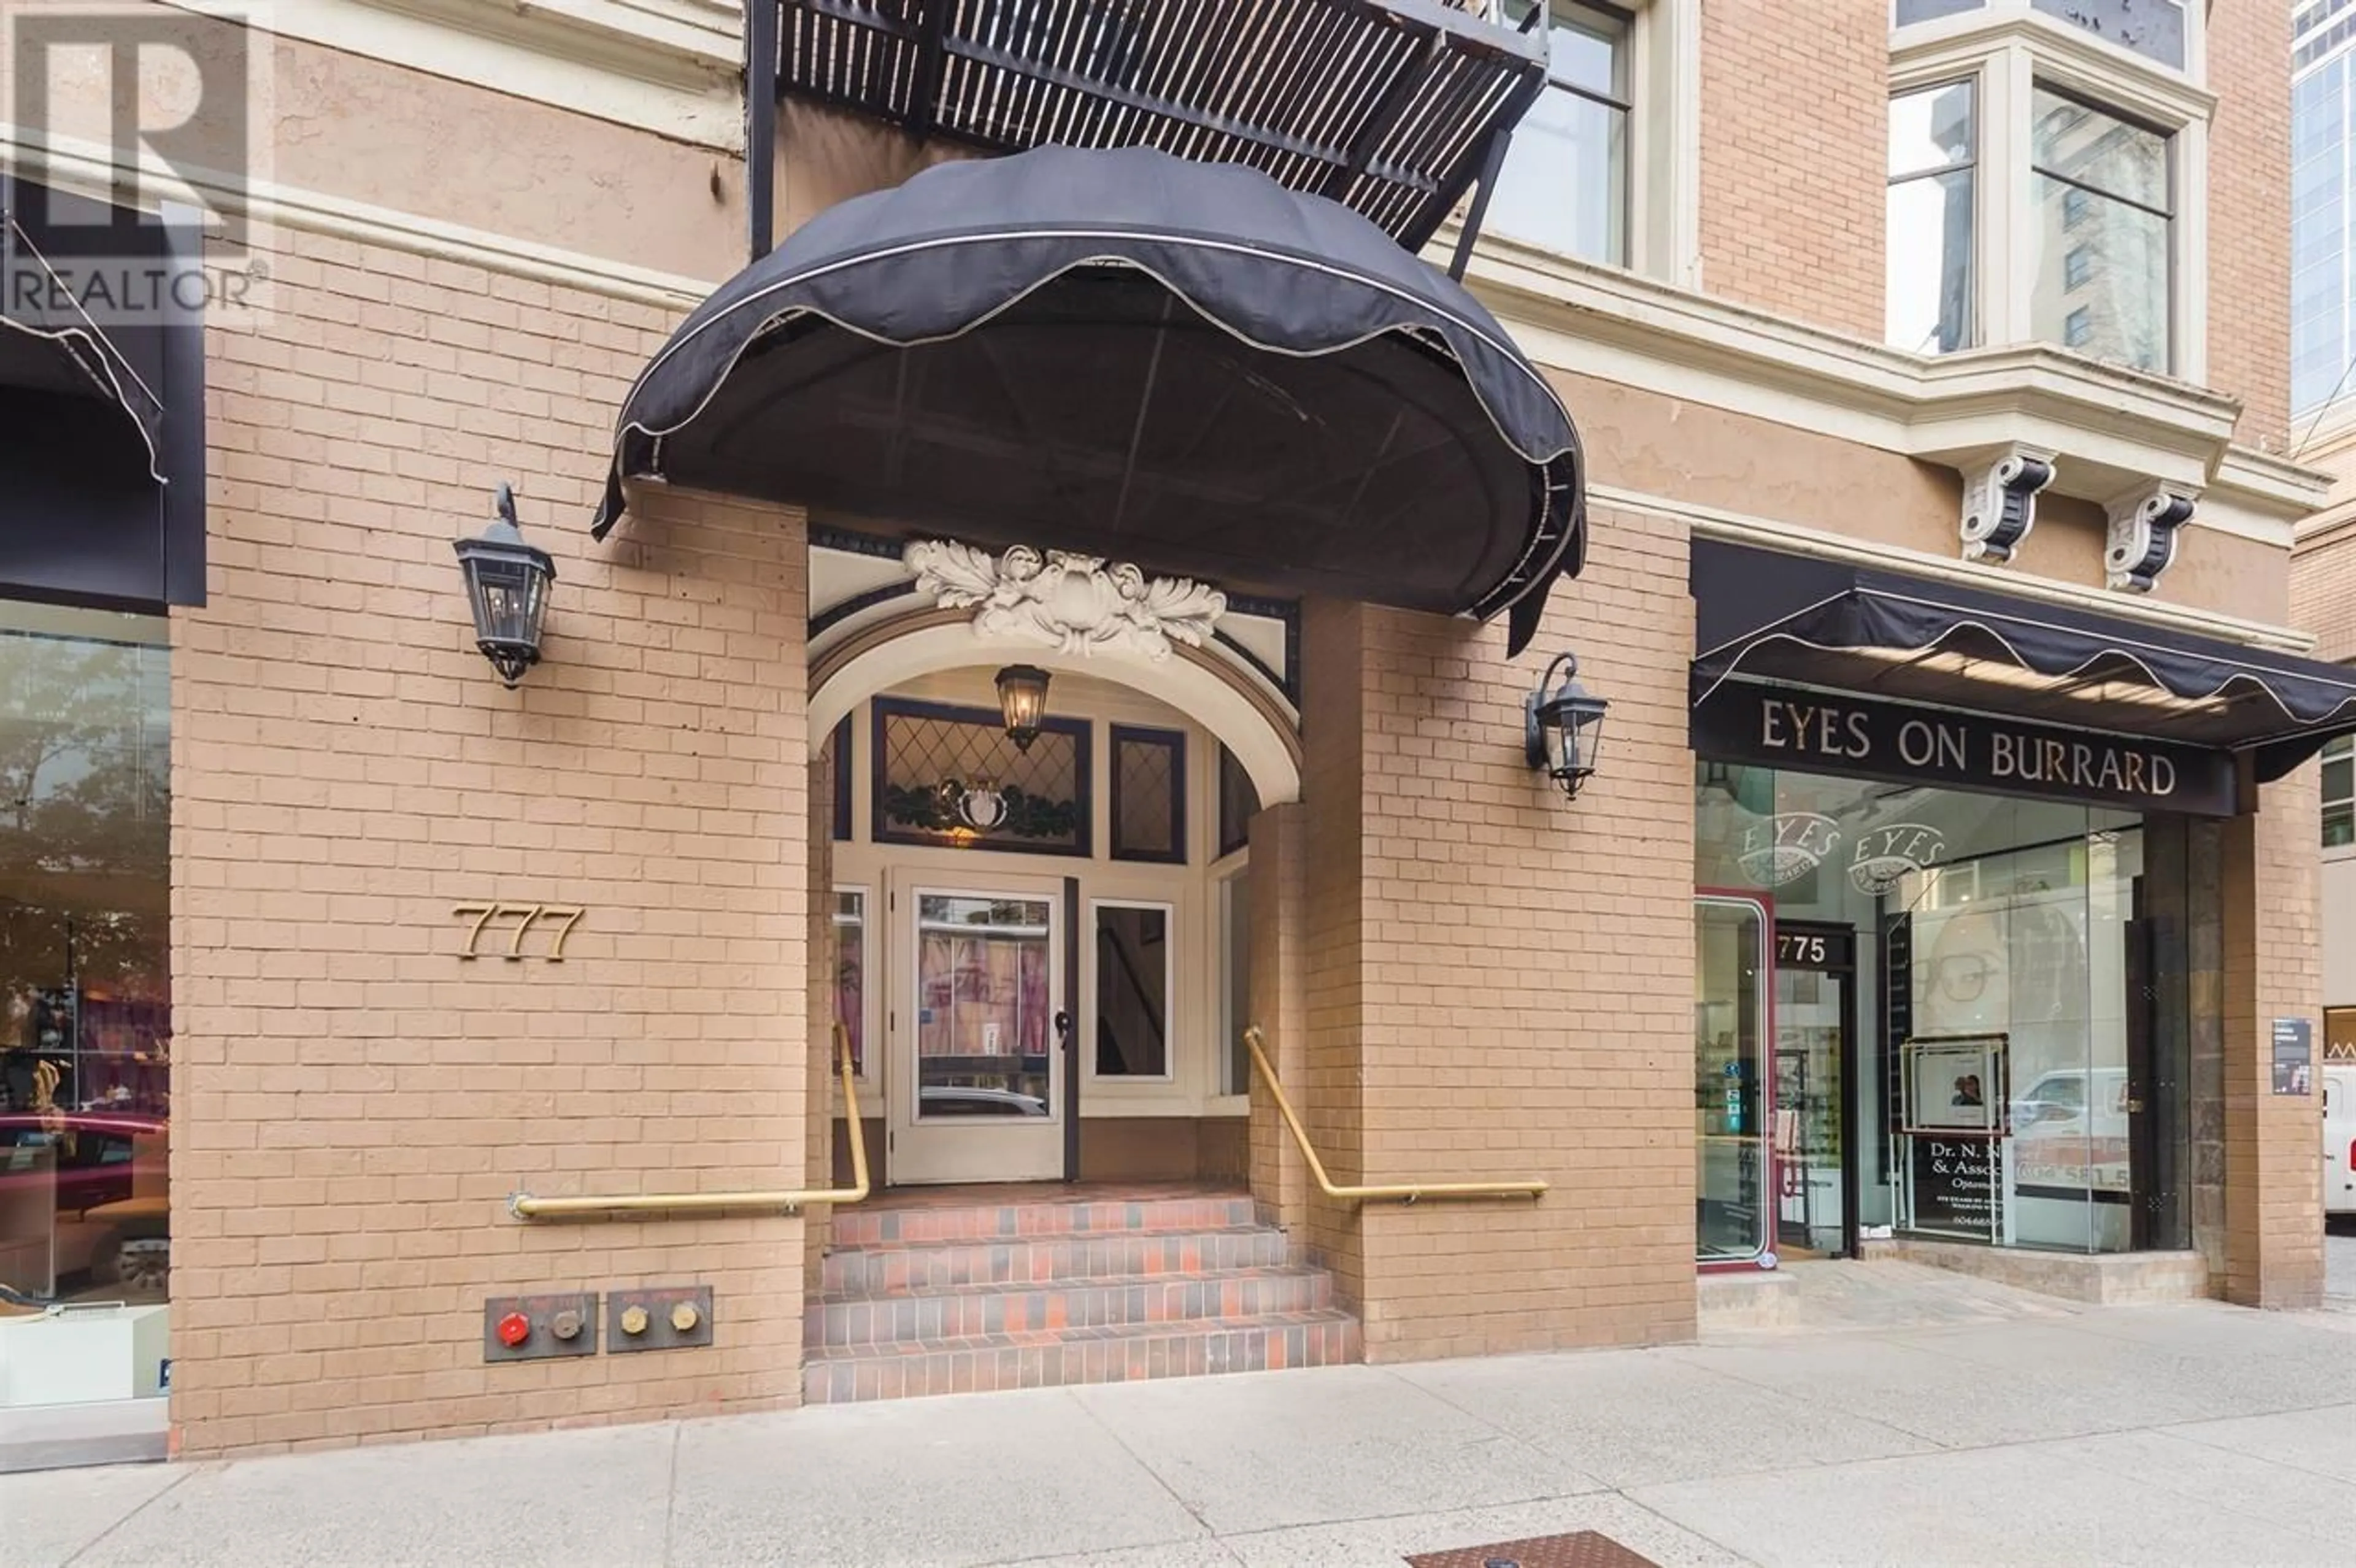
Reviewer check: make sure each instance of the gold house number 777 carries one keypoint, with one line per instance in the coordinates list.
(486, 915)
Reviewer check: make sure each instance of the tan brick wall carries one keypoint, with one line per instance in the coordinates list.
(2323, 591)
(2249, 216)
(1794, 118)
(1279, 845)
(2274, 1195)
(354, 1102)
(1328, 1071)
(1510, 973)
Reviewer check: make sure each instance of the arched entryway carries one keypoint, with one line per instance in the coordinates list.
(1046, 986)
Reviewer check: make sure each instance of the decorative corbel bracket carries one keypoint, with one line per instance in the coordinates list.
(2143, 535)
(2000, 503)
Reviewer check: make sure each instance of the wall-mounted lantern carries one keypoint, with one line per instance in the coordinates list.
(1022, 700)
(1563, 725)
(507, 586)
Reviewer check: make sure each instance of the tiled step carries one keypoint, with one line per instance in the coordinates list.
(896, 1270)
(969, 1311)
(834, 1374)
(1009, 1222)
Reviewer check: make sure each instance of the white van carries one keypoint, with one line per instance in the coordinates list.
(2340, 1138)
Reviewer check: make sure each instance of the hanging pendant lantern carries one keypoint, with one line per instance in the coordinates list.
(1023, 701)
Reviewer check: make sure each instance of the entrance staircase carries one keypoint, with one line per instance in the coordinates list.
(995, 1288)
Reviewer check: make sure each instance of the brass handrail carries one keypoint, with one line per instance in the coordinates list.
(1406, 1192)
(524, 1206)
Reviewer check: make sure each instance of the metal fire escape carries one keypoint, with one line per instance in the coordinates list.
(1394, 107)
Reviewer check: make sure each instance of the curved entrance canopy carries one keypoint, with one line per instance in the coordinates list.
(1125, 353)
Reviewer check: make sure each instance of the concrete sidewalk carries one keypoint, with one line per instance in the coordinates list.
(2196, 1434)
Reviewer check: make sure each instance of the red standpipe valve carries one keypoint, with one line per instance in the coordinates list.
(514, 1329)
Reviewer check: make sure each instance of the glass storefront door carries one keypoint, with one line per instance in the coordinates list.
(983, 1070)
(1732, 1152)
(1814, 1072)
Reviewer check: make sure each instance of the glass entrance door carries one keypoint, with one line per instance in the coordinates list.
(979, 1090)
(1815, 1079)
(1731, 1152)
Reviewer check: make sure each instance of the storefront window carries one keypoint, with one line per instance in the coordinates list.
(1980, 1008)
(85, 1047)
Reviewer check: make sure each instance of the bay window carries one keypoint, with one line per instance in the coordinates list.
(2104, 289)
(1933, 154)
(2045, 181)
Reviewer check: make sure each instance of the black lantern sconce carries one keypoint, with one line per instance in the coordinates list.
(1023, 701)
(1562, 726)
(507, 586)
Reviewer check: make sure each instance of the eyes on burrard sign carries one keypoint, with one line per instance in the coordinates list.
(123, 111)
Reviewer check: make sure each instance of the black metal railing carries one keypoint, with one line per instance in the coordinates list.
(1391, 107)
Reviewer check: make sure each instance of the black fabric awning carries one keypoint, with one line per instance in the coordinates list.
(1125, 353)
(102, 458)
(1767, 615)
(50, 344)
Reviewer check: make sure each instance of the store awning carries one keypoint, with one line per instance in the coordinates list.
(1128, 354)
(50, 344)
(1767, 615)
(102, 459)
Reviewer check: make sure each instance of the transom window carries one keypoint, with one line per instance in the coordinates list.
(1565, 182)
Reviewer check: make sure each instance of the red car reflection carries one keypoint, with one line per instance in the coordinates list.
(111, 1215)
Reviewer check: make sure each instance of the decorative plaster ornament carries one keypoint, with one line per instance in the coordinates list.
(1073, 604)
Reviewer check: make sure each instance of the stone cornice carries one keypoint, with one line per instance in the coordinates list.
(2111, 427)
(669, 66)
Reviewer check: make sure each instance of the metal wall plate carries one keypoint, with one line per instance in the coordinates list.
(657, 1331)
(546, 1316)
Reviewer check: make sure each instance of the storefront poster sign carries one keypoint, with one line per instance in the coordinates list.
(1955, 1084)
(2294, 1056)
(1954, 1188)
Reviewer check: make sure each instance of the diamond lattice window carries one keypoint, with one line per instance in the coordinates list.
(950, 776)
(1149, 795)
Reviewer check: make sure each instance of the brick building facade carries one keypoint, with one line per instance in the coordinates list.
(1331, 830)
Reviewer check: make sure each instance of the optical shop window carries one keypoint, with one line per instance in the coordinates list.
(85, 1007)
(1999, 1048)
